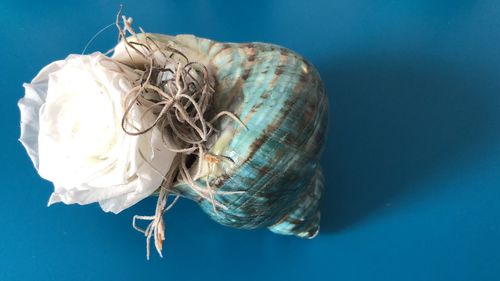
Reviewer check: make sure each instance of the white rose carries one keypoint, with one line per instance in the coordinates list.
(71, 128)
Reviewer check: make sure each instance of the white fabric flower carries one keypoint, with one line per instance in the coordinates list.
(71, 128)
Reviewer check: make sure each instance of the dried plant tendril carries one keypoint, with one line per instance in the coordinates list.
(179, 93)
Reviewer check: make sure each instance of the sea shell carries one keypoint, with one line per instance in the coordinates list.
(280, 97)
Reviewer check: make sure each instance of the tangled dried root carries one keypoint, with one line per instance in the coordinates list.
(179, 93)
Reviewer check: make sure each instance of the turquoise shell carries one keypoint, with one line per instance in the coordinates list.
(280, 97)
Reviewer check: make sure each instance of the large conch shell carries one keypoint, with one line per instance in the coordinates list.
(280, 98)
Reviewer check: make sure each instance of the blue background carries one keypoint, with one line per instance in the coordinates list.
(412, 161)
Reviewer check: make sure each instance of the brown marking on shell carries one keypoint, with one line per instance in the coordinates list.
(284, 56)
(309, 112)
(312, 105)
(246, 73)
(255, 108)
(260, 141)
(296, 222)
(284, 53)
(263, 170)
(251, 52)
(284, 218)
(225, 48)
(303, 77)
(279, 70)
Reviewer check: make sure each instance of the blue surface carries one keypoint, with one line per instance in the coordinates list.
(412, 162)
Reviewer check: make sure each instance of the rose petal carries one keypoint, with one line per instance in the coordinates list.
(30, 104)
